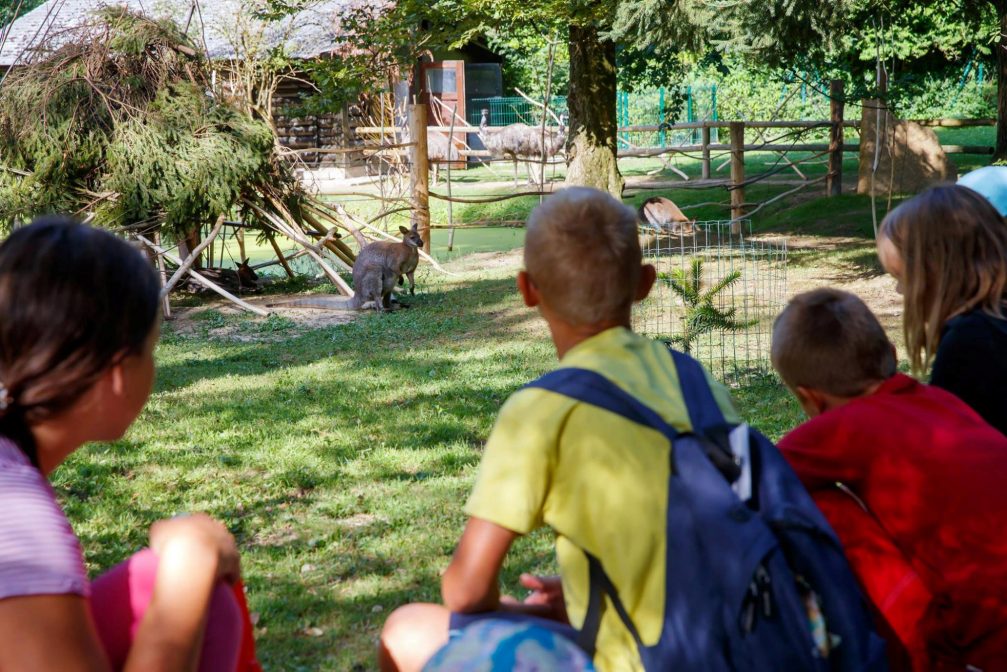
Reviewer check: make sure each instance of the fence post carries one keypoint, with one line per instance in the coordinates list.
(660, 103)
(419, 175)
(713, 105)
(834, 181)
(706, 150)
(737, 174)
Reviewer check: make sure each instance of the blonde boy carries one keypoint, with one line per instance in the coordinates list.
(598, 480)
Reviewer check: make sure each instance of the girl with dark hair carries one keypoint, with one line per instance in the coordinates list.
(78, 326)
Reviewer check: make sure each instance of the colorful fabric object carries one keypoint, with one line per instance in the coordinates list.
(496, 645)
(39, 553)
(991, 182)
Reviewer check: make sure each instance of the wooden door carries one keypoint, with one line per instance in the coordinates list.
(444, 93)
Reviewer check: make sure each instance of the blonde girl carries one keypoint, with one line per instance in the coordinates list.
(947, 248)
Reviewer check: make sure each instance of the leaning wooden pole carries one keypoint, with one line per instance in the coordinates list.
(193, 256)
(419, 174)
(279, 256)
(165, 303)
(203, 281)
(737, 174)
(834, 183)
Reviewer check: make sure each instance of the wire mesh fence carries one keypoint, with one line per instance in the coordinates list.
(505, 110)
(716, 295)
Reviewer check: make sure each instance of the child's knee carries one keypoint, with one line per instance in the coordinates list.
(224, 629)
(412, 634)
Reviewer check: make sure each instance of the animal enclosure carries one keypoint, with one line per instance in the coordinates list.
(716, 294)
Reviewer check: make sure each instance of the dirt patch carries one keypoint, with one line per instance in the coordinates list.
(223, 320)
(488, 261)
(360, 520)
(849, 264)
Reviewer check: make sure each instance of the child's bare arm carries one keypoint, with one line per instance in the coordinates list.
(471, 582)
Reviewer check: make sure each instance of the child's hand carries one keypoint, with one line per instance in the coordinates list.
(546, 598)
(198, 534)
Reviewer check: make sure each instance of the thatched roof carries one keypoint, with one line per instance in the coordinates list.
(312, 32)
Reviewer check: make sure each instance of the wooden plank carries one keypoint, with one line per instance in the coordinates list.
(419, 177)
(955, 123)
(967, 149)
(834, 181)
(706, 152)
(824, 123)
(737, 129)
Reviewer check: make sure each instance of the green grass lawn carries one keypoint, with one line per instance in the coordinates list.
(340, 457)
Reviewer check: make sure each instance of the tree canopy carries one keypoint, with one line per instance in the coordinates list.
(11, 9)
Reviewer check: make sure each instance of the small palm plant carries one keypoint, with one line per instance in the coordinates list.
(701, 315)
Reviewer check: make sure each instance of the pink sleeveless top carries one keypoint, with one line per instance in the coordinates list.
(39, 553)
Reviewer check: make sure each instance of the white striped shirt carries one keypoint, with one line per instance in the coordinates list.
(39, 553)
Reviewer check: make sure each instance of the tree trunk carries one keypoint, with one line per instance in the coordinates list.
(591, 147)
(189, 242)
(1001, 148)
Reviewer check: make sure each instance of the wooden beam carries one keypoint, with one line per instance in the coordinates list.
(203, 281)
(834, 183)
(419, 175)
(706, 152)
(737, 174)
(193, 256)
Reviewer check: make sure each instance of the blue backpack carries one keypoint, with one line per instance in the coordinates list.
(756, 586)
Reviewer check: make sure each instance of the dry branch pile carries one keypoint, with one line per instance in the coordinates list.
(118, 121)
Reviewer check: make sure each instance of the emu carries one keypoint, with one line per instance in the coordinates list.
(521, 141)
(440, 148)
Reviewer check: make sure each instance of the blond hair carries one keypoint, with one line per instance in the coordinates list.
(829, 340)
(582, 252)
(953, 245)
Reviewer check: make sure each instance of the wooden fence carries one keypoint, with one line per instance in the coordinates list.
(393, 142)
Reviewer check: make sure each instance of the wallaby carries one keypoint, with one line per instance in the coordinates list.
(378, 267)
(664, 215)
(241, 279)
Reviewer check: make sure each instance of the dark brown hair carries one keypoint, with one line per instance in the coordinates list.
(953, 245)
(830, 340)
(582, 251)
(73, 301)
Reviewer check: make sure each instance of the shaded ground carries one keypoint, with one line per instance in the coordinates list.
(221, 319)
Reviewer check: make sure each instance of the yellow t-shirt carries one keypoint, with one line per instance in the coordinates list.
(598, 480)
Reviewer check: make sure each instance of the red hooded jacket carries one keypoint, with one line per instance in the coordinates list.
(923, 520)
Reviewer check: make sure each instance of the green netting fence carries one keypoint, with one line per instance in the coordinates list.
(639, 108)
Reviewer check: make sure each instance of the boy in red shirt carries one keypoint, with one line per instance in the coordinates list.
(913, 481)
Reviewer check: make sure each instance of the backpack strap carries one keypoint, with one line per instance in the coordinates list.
(593, 388)
(704, 411)
(601, 585)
